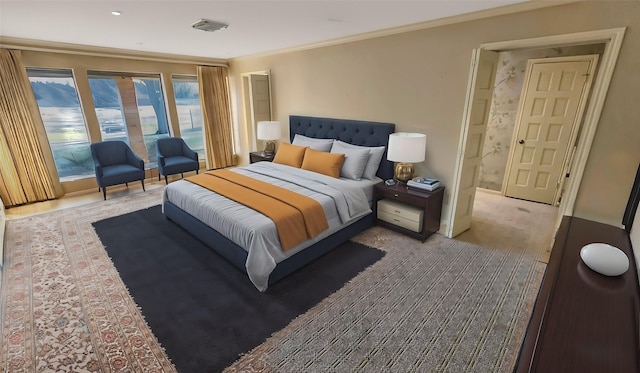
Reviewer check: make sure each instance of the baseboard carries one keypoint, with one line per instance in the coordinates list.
(490, 191)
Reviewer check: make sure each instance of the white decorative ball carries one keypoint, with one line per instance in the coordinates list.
(605, 259)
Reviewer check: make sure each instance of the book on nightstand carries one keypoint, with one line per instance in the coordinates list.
(423, 183)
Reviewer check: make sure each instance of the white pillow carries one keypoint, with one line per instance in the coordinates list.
(375, 156)
(355, 160)
(323, 145)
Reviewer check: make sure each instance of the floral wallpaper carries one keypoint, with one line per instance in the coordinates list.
(512, 66)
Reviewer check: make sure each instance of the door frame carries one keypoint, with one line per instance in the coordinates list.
(247, 105)
(575, 126)
(479, 93)
(612, 38)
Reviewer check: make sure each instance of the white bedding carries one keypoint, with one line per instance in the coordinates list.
(344, 202)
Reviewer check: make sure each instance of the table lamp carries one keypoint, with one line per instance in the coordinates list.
(405, 149)
(269, 131)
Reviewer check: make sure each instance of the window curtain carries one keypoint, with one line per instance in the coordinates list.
(216, 115)
(25, 175)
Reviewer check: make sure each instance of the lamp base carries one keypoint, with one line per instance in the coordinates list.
(403, 172)
(270, 147)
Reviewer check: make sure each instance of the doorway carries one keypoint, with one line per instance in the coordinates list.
(256, 93)
(456, 220)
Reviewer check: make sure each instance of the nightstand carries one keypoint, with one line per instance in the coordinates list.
(413, 212)
(260, 156)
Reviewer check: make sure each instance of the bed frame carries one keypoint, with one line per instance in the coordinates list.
(351, 131)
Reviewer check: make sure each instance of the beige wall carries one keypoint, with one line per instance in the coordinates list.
(418, 80)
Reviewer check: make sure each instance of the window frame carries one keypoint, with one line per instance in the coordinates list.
(64, 72)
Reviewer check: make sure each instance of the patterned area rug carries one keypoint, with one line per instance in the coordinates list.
(442, 305)
(64, 306)
(438, 306)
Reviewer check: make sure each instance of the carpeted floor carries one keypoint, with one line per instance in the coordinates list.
(511, 224)
(442, 305)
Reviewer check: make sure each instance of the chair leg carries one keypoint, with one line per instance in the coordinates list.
(166, 181)
(197, 171)
(158, 176)
(104, 193)
(181, 175)
(126, 184)
(142, 181)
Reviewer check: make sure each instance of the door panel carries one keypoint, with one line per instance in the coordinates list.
(548, 111)
(260, 103)
(481, 84)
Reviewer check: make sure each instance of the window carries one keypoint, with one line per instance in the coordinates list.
(187, 95)
(64, 122)
(131, 108)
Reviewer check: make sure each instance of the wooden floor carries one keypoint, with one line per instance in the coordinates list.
(79, 198)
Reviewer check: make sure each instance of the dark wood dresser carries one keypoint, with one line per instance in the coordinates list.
(584, 321)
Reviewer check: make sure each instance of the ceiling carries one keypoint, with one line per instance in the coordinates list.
(164, 26)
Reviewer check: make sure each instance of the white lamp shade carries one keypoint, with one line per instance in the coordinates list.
(268, 130)
(407, 147)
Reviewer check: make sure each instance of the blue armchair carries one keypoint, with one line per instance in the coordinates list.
(175, 157)
(115, 163)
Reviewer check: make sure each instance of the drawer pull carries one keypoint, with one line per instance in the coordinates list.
(395, 195)
(398, 211)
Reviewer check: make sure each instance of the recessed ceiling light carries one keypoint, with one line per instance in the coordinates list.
(116, 13)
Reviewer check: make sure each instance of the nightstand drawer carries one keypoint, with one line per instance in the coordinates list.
(405, 197)
(400, 209)
(411, 225)
(405, 216)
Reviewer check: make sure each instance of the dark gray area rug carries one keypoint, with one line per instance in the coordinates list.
(204, 311)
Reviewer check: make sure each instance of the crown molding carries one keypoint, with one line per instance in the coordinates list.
(503, 10)
(86, 50)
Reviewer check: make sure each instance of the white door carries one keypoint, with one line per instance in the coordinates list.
(484, 64)
(550, 109)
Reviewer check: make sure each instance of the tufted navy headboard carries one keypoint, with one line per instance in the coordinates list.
(355, 132)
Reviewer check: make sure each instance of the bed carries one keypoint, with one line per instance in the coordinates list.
(255, 253)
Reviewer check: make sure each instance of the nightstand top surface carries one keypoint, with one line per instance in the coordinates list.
(402, 188)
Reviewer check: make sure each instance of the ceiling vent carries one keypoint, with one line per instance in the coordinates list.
(209, 25)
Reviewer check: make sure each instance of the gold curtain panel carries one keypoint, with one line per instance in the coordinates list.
(25, 175)
(216, 114)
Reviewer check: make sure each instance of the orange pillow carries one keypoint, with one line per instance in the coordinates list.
(290, 155)
(323, 162)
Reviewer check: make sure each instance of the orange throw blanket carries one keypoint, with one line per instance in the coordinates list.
(296, 217)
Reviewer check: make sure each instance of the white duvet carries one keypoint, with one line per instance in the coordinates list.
(343, 202)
